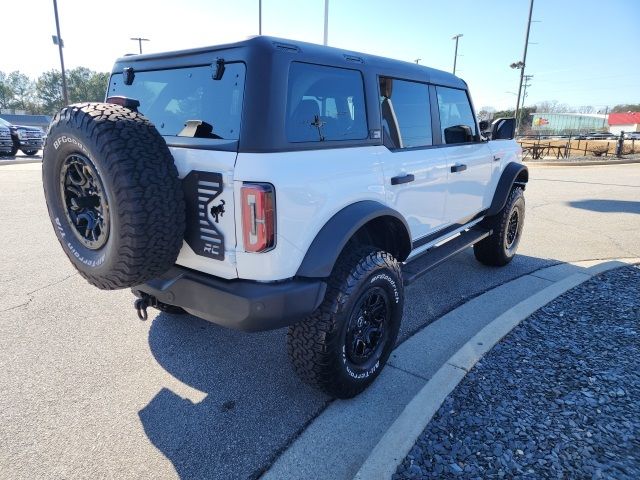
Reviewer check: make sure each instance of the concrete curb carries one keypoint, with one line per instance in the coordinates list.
(581, 164)
(396, 443)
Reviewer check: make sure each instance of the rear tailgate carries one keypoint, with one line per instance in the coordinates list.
(197, 109)
(210, 239)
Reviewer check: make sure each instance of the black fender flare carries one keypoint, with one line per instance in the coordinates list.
(510, 177)
(323, 252)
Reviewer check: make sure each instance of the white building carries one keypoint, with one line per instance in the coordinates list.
(624, 122)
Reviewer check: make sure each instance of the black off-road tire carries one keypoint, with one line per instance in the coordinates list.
(317, 346)
(143, 208)
(497, 249)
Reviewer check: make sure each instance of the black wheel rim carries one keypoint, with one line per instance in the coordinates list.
(85, 201)
(368, 328)
(512, 229)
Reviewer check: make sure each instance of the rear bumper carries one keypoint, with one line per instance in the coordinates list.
(240, 304)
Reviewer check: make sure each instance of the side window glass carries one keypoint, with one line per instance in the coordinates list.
(456, 117)
(325, 103)
(406, 114)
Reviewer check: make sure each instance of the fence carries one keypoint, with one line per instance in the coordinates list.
(543, 147)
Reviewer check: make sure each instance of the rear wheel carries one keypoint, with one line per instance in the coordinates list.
(342, 347)
(500, 247)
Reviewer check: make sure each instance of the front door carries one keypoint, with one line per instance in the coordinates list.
(469, 158)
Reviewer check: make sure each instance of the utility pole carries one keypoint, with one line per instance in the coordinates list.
(140, 40)
(259, 17)
(524, 63)
(326, 21)
(65, 95)
(524, 96)
(455, 55)
(418, 60)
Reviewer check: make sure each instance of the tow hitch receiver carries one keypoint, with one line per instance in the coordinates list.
(141, 304)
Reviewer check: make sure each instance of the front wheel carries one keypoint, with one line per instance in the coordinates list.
(342, 347)
(30, 153)
(500, 247)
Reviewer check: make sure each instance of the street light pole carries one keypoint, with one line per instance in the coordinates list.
(524, 63)
(326, 21)
(140, 40)
(259, 17)
(455, 55)
(65, 95)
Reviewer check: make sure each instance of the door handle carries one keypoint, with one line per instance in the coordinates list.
(402, 179)
(458, 167)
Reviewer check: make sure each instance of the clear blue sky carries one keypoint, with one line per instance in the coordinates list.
(586, 52)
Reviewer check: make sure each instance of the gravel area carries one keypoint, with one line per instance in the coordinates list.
(559, 397)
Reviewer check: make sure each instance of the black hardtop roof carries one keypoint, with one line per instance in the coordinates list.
(300, 51)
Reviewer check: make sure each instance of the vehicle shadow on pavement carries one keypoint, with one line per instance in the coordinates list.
(254, 403)
(607, 206)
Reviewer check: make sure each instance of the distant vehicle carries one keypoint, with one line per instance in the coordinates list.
(596, 136)
(632, 136)
(27, 139)
(6, 143)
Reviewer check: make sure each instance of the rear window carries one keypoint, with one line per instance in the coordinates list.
(169, 98)
(325, 103)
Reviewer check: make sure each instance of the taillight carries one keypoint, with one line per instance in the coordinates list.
(258, 217)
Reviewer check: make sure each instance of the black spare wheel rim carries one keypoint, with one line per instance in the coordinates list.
(85, 201)
(368, 329)
(512, 229)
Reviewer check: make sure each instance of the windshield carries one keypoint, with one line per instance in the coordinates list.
(169, 98)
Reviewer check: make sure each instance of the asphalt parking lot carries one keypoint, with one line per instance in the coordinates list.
(21, 158)
(88, 390)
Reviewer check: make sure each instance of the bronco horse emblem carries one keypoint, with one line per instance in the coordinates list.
(217, 210)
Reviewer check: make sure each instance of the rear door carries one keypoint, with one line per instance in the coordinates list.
(469, 158)
(199, 118)
(415, 172)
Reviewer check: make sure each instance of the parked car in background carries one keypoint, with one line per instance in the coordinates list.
(596, 136)
(632, 135)
(27, 139)
(6, 143)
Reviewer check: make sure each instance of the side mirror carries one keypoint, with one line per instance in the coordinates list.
(458, 134)
(503, 129)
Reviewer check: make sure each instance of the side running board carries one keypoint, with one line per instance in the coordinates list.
(436, 255)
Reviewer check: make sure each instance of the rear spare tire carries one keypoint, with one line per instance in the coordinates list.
(113, 194)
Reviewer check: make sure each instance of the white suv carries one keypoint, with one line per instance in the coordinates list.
(272, 183)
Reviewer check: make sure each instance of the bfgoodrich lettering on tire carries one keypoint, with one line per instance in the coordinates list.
(342, 347)
(113, 194)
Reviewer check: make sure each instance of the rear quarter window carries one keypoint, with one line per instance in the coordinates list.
(169, 98)
(325, 104)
